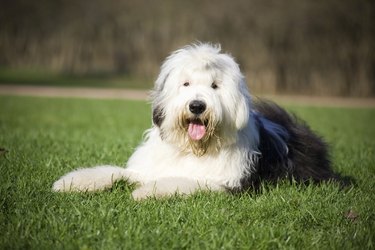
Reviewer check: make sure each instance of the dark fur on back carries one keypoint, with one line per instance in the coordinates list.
(305, 158)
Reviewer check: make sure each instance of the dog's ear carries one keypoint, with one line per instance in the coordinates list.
(160, 82)
(243, 110)
(158, 113)
(158, 116)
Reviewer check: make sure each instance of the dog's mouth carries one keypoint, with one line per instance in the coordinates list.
(197, 129)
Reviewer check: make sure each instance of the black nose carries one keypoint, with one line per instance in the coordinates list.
(197, 107)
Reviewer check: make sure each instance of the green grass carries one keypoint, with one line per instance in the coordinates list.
(46, 138)
(49, 78)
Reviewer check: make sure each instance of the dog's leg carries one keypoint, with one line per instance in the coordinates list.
(165, 187)
(91, 179)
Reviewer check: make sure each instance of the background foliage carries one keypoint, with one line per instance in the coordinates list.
(291, 46)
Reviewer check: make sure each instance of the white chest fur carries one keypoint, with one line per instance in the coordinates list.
(155, 159)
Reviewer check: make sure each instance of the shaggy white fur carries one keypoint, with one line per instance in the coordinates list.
(203, 135)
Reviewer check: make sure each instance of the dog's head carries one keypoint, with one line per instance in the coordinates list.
(200, 99)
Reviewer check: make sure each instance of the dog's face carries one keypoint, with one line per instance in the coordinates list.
(200, 100)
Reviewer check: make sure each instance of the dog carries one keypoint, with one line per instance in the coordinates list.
(209, 134)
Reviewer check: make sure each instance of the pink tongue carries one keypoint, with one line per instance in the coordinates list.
(196, 131)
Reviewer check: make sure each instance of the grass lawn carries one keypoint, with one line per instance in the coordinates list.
(43, 138)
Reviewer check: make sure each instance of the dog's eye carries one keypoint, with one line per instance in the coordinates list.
(186, 84)
(214, 85)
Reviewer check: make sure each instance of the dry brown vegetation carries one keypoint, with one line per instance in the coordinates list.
(292, 46)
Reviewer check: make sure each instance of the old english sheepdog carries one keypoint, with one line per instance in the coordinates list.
(208, 134)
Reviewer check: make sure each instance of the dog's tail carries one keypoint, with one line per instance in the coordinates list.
(90, 179)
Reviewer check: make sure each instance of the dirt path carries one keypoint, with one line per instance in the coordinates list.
(130, 94)
(97, 93)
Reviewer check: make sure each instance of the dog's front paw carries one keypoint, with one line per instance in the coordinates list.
(170, 186)
(144, 192)
(153, 190)
(78, 181)
(63, 185)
